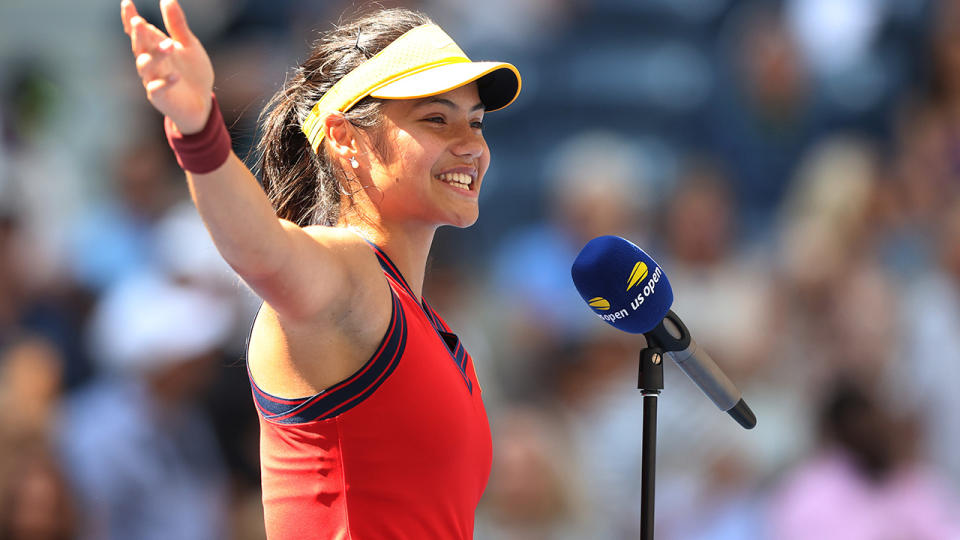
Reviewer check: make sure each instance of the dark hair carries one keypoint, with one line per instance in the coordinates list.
(852, 417)
(304, 186)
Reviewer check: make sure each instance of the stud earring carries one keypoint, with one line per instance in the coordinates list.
(354, 163)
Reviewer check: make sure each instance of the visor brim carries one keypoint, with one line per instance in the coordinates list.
(498, 83)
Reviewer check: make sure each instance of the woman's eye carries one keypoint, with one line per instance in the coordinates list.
(478, 124)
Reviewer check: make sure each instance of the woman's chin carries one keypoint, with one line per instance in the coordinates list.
(464, 220)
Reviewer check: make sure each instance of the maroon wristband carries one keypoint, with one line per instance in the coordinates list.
(204, 151)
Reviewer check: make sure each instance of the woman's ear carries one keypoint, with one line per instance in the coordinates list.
(340, 135)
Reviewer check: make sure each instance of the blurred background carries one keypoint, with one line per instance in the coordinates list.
(793, 165)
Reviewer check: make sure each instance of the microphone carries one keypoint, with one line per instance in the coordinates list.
(626, 288)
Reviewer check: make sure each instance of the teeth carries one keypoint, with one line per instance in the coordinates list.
(460, 180)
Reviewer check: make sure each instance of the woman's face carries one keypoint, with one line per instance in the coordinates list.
(436, 160)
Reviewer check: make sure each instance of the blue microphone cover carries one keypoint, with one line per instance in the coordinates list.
(623, 285)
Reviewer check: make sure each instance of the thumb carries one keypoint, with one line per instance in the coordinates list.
(176, 21)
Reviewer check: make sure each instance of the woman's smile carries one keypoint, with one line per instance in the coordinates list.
(462, 179)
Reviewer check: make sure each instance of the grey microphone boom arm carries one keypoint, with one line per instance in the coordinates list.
(672, 336)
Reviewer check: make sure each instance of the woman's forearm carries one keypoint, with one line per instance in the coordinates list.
(240, 219)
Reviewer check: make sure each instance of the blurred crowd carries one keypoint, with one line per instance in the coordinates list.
(793, 165)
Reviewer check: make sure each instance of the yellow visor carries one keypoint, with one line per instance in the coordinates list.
(422, 62)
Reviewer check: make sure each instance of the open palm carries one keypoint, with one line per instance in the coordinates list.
(175, 69)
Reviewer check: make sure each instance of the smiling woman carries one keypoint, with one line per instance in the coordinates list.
(372, 422)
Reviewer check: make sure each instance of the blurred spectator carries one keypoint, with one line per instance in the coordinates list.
(766, 114)
(836, 303)
(112, 240)
(11, 272)
(31, 380)
(929, 359)
(925, 174)
(724, 296)
(49, 311)
(41, 186)
(842, 46)
(835, 36)
(597, 186)
(834, 184)
(944, 83)
(727, 506)
(593, 377)
(922, 182)
(35, 501)
(532, 494)
(722, 292)
(862, 482)
(139, 452)
(181, 247)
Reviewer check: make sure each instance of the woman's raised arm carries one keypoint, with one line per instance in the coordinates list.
(278, 259)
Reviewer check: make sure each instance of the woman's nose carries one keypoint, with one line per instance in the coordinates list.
(469, 143)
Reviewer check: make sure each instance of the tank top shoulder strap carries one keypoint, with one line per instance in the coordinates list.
(394, 275)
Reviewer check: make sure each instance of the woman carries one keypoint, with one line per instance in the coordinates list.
(372, 424)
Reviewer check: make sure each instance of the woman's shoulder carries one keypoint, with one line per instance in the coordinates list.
(329, 272)
(339, 236)
(352, 248)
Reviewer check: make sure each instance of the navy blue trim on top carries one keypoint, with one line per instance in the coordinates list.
(456, 348)
(348, 393)
(390, 268)
(434, 317)
(457, 353)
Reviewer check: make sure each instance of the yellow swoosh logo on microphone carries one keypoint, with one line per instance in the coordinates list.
(599, 303)
(637, 275)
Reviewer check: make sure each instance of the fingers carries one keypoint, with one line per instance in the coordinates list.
(175, 21)
(156, 72)
(145, 37)
(155, 65)
(127, 11)
(157, 86)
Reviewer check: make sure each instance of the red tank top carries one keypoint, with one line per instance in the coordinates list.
(401, 449)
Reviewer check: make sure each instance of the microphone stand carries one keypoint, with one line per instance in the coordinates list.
(660, 339)
(650, 383)
(670, 337)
